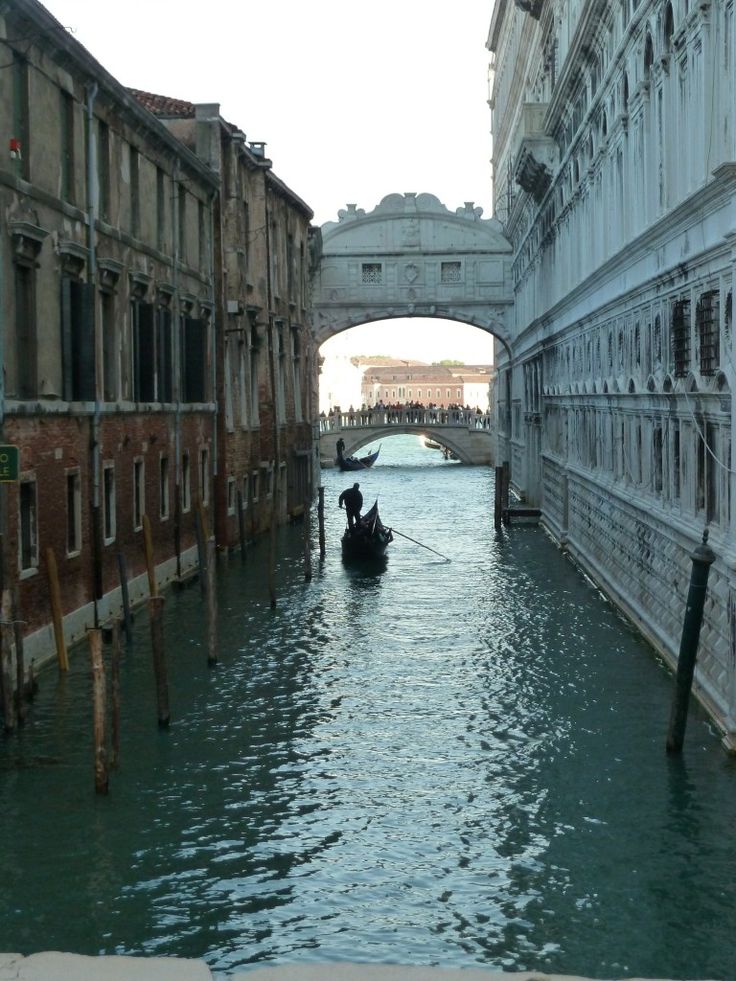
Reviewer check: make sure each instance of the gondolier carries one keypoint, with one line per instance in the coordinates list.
(353, 501)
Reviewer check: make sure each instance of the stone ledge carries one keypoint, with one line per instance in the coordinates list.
(56, 966)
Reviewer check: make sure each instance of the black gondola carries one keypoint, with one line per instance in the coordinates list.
(368, 539)
(355, 463)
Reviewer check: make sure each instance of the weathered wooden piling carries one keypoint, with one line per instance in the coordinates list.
(211, 604)
(241, 527)
(6, 660)
(306, 528)
(498, 499)
(702, 558)
(201, 549)
(99, 692)
(127, 614)
(56, 611)
(505, 492)
(321, 522)
(115, 694)
(148, 547)
(156, 613)
(20, 678)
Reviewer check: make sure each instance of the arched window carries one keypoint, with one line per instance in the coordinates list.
(669, 27)
(625, 93)
(604, 126)
(648, 55)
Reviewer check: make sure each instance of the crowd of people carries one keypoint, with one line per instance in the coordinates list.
(411, 412)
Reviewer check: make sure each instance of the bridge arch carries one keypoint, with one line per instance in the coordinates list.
(412, 257)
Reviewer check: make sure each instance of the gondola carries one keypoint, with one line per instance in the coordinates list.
(368, 539)
(353, 463)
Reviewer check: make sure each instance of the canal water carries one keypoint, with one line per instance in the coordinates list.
(456, 763)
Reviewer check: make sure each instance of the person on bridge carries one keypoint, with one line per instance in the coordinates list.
(353, 501)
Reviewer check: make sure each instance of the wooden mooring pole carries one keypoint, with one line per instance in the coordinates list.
(505, 492)
(148, 546)
(211, 604)
(99, 692)
(702, 558)
(498, 499)
(56, 611)
(307, 527)
(115, 694)
(321, 522)
(20, 674)
(127, 615)
(6, 660)
(156, 613)
(201, 550)
(241, 527)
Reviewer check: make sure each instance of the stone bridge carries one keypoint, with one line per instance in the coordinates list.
(467, 434)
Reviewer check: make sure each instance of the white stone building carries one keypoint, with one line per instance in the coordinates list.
(614, 149)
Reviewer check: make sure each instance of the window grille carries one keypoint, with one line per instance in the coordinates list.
(372, 272)
(707, 317)
(681, 337)
(450, 272)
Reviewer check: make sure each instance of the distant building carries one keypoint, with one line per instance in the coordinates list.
(441, 385)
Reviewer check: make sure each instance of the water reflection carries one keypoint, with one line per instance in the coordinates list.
(454, 763)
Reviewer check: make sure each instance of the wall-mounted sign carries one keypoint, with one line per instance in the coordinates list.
(9, 464)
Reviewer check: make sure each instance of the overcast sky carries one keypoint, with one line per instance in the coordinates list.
(355, 101)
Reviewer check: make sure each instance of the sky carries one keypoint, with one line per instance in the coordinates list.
(354, 101)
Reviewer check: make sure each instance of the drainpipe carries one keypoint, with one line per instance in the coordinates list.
(92, 192)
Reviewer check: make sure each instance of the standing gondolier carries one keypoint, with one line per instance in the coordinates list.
(353, 501)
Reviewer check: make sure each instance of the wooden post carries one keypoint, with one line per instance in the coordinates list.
(156, 613)
(201, 551)
(98, 710)
(211, 604)
(115, 694)
(505, 498)
(148, 546)
(6, 660)
(307, 519)
(702, 558)
(241, 527)
(321, 521)
(56, 613)
(127, 615)
(20, 679)
(498, 499)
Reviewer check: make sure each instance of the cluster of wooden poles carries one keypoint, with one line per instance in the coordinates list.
(501, 496)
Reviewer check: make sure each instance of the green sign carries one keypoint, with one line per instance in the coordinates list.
(9, 467)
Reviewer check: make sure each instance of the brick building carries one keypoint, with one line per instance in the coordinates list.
(261, 261)
(141, 318)
(428, 384)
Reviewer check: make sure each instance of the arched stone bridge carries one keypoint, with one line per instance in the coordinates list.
(467, 434)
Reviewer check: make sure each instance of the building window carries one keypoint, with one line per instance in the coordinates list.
(182, 222)
(77, 340)
(143, 351)
(186, 482)
(164, 355)
(193, 360)
(163, 483)
(450, 272)
(707, 324)
(110, 346)
(135, 193)
(108, 502)
(28, 550)
(255, 483)
(680, 332)
(204, 476)
(372, 272)
(459, 395)
(73, 513)
(139, 494)
(160, 209)
(26, 340)
(103, 169)
(21, 116)
(66, 112)
(231, 495)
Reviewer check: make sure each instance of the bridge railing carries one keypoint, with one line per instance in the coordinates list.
(370, 418)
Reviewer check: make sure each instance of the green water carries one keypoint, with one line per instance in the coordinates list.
(443, 763)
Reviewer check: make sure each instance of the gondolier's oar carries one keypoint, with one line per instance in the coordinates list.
(422, 544)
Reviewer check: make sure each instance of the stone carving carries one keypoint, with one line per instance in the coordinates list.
(411, 272)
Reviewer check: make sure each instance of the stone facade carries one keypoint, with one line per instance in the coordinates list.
(442, 385)
(614, 162)
(261, 278)
(151, 273)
